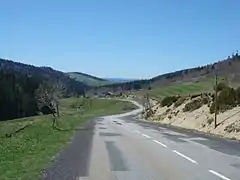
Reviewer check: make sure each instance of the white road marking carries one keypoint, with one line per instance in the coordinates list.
(147, 136)
(126, 128)
(82, 178)
(194, 139)
(136, 131)
(219, 175)
(182, 155)
(160, 143)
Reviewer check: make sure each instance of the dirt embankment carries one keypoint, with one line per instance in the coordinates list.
(194, 113)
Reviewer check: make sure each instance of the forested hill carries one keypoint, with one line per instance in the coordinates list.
(228, 68)
(18, 83)
(88, 79)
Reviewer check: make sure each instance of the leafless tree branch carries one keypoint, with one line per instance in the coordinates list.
(48, 95)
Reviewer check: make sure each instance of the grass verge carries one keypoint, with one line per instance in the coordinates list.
(25, 154)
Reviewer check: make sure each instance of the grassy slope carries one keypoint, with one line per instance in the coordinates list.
(88, 80)
(24, 155)
(203, 85)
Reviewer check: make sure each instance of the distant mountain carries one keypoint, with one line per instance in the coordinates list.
(119, 80)
(88, 79)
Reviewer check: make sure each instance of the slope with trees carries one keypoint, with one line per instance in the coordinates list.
(18, 83)
(88, 79)
(228, 68)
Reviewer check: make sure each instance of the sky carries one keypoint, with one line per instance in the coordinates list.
(125, 38)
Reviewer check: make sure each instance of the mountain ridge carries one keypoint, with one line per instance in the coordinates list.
(228, 68)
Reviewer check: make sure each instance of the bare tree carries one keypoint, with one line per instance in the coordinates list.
(48, 95)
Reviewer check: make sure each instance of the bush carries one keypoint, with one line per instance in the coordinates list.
(227, 96)
(237, 94)
(169, 100)
(226, 100)
(210, 120)
(176, 113)
(205, 100)
(168, 110)
(179, 102)
(195, 95)
(212, 108)
(193, 105)
(232, 128)
(221, 86)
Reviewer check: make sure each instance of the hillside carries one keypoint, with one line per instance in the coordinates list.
(18, 83)
(119, 80)
(229, 69)
(88, 79)
(196, 111)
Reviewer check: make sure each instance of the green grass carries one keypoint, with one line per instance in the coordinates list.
(25, 154)
(203, 85)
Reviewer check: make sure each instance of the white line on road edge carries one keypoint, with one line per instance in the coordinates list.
(180, 154)
(136, 131)
(219, 175)
(147, 136)
(160, 143)
(126, 128)
(82, 178)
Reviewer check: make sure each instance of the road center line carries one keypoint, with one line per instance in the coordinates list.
(182, 155)
(219, 175)
(159, 143)
(147, 136)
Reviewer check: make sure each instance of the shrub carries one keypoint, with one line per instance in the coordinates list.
(232, 128)
(169, 100)
(210, 120)
(221, 86)
(168, 110)
(176, 113)
(212, 108)
(193, 105)
(237, 94)
(227, 96)
(205, 100)
(179, 102)
(226, 100)
(148, 113)
(195, 95)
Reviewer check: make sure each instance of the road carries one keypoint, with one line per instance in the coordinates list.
(123, 148)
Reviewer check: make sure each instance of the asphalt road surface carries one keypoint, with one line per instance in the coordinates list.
(122, 148)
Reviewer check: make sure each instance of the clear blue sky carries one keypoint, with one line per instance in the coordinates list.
(119, 38)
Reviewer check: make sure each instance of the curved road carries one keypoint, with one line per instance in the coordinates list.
(122, 148)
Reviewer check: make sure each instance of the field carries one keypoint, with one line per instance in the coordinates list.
(203, 85)
(26, 153)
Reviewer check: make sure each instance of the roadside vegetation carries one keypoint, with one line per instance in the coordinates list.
(195, 104)
(227, 98)
(26, 152)
(196, 111)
